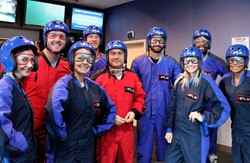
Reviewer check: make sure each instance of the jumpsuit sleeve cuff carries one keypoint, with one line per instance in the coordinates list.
(169, 130)
(203, 118)
(137, 114)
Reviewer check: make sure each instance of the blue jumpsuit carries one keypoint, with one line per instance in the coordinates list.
(74, 116)
(213, 66)
(156, 80)
(239, 100)
(17, 142)
(100, 64)
(190, 141)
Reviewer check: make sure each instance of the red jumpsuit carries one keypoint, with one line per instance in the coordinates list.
(118, 144)
(37, 87)
(1, 68)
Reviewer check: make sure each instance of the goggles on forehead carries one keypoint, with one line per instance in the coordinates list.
(154, 40)
(202, 40)
(192, 60)
(25, 58)
(53, 35)
(238, 60)
(80, 57)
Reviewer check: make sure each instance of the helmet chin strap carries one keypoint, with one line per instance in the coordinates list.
(51, 51)
(48, 49)
(15, 76)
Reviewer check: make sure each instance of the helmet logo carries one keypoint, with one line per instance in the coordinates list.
(117, 45)
(85, 44)
(204, 33)
(159, 32)
(95, 30)
(28, 41)
(190, 53)
(59, 26)
(239, 52)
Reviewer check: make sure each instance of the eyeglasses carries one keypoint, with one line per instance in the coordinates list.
(155, 40)
(80, 57)
(192, 60)
(25, 58)
(238, 60)
(202, 40)
(53, 35)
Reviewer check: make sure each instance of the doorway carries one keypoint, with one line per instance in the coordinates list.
(135, 49)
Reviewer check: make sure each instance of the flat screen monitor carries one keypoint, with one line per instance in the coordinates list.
(40, 13)
(82, 18)
(8, 11)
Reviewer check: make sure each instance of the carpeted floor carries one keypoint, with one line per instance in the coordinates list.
(223, 156)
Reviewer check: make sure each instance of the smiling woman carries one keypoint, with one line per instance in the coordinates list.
(18, 58)
(77, 102)
(235, 86)
(192, 92)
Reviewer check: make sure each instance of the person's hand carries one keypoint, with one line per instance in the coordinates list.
(130, 117)
(193, 116)
(119, 120)
(169, 137)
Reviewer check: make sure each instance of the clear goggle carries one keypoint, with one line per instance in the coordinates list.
(25, 58)
(238, 60)
(190, 59)
(202, 40)
(80, 57)
(154, 40)
(53, 35)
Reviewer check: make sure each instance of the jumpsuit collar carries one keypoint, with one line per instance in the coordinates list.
(86, 87)
(241, 78)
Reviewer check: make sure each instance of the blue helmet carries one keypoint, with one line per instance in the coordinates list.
(54, 25)
(203, 33)
(12, 46)
(156, 31)
(117, 44)
(238, 51)
(92, 29)
(191, 52)
(79, 45)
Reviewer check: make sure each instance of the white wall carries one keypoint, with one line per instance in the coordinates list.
(224, 134)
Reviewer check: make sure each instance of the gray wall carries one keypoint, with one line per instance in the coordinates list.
(181, 18)
(7, 33)
(223, 18)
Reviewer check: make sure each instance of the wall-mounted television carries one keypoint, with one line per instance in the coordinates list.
(40, 13)
(8, 11)
(82, 18)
